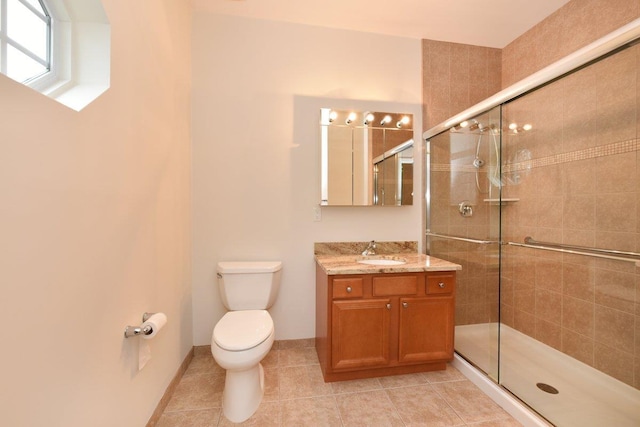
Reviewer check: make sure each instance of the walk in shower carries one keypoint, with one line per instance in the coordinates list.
(536, 193)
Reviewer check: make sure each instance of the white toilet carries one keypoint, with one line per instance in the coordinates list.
(243, 337)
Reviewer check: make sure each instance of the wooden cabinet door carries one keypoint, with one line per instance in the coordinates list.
(425, 329)
(360, 333)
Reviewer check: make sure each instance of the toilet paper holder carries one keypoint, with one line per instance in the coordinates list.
(132, 331)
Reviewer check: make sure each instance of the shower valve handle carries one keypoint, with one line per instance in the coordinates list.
(465, 208)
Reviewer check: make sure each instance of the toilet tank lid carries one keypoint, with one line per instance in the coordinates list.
(249, 266)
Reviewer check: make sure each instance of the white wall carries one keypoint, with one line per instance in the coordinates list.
(94, 231)
(258, 87)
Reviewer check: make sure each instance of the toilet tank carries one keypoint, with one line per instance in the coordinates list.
(251, 285)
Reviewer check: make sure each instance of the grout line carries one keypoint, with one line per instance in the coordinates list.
(335, 402)
(335, 397)
(464, 422)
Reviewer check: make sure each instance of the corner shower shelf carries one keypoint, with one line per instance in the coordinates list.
(500, 202)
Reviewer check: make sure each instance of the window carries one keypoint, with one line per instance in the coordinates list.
(60, 48)
(25, 39)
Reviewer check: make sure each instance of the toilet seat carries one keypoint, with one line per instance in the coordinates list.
(243, 330)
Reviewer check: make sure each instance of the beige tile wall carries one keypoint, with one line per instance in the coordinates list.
(453, 180)
(582, 187)
(573, 26)
(456, 76)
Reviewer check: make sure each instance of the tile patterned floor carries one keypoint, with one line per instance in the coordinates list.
(296, 395)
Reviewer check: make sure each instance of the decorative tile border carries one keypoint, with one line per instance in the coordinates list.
(573, 156)
(612, 149)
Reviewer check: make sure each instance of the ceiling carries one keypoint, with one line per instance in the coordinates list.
(492, 23)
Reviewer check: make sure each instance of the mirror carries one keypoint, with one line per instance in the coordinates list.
(366, 158)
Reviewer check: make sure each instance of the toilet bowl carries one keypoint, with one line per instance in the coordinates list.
(244, 336)
(241, 339)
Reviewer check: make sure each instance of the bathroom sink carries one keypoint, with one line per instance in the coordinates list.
(382, 261)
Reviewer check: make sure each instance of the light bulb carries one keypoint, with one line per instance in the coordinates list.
(369, 118)
(405, 120)
(333, 115)
(385, 120)
(527, 127)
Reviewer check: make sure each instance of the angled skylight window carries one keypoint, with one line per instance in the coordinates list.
(60, 48)
(25, 39)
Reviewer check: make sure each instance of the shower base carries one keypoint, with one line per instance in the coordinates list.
(586, 397)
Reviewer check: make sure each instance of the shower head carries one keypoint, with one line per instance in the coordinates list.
(475, 125)
(471, 126)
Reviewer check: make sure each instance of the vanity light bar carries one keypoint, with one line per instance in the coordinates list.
(330, 116)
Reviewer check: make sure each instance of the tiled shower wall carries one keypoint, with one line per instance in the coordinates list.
(571, 27)
(577, 310)
(454, 179)
(581, 187)
(455, 77)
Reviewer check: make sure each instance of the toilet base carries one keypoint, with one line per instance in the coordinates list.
(243, 391)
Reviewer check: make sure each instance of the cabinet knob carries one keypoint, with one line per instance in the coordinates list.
(349, 289)
(441, 284)
(389, 306)
(405, 304)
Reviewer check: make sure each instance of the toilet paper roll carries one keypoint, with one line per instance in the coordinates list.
(156, 322)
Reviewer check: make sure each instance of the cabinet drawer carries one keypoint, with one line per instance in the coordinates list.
(350, 287)
(395, 285)
(442, 284)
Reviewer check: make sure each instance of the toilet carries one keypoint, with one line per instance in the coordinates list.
(245, 334)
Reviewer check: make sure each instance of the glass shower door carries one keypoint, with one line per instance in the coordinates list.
(539, 201)
(464, 227)
(570, 277)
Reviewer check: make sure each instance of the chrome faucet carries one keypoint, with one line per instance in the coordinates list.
(371, 249)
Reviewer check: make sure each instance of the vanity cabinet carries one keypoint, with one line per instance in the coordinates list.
(380, 324)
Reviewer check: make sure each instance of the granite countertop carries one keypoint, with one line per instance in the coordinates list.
(415, 262)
